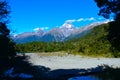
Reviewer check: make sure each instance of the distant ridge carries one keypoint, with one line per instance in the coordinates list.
(65, 32)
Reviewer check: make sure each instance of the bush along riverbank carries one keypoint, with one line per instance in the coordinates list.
(96, 43)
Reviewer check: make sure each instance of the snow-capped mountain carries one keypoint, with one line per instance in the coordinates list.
(62, 33)
(67, 29)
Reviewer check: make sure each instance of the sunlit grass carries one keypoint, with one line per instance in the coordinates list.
(63, 53)
(48, 54)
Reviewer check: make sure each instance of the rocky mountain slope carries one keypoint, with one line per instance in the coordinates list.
(65, 32)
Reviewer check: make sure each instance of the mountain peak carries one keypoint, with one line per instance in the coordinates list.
(65, 32)
(67, 25)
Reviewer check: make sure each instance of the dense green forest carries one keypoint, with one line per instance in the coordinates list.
(95, 43)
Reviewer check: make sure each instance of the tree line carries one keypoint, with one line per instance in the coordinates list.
(95, 43)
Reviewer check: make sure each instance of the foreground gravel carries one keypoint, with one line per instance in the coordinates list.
(71, 61)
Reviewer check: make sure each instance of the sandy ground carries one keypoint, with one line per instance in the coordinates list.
(70, 61)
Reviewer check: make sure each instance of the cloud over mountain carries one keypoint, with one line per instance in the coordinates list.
(80, 20)
(40, 28)
(62, 33)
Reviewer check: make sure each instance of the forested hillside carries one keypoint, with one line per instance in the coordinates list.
(95, 43)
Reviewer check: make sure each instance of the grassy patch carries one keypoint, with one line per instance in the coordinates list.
(53, 54)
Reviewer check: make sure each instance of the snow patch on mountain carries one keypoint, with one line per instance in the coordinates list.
(56, 34)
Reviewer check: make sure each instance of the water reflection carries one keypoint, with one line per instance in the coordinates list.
(111, 74)
(84, 78)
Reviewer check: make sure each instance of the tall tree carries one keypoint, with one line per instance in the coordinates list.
(4, 10)
(109, 8)
(6, 45)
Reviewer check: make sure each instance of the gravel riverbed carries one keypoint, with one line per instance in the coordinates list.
(70, 61)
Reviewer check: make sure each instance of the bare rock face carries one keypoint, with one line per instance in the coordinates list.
(59, 34)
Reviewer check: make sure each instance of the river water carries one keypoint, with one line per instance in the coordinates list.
(83, 78)
(111, 75)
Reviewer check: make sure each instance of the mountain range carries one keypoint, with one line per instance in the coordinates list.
(63, 33)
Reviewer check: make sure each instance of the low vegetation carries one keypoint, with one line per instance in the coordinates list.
(96, 43)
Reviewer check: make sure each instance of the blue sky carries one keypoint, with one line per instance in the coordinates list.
(28, 15)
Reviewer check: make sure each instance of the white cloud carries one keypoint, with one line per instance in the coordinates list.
(36, 29)
(44, 28)
(91, 19)
(70, 21)
(107, 21)
(40, 28)
(80, 19)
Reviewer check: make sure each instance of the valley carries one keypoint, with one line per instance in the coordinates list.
(95, 42)
(59, 34)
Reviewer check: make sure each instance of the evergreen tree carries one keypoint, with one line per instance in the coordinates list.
(108, 8)
(111, 8)
(7, 49)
